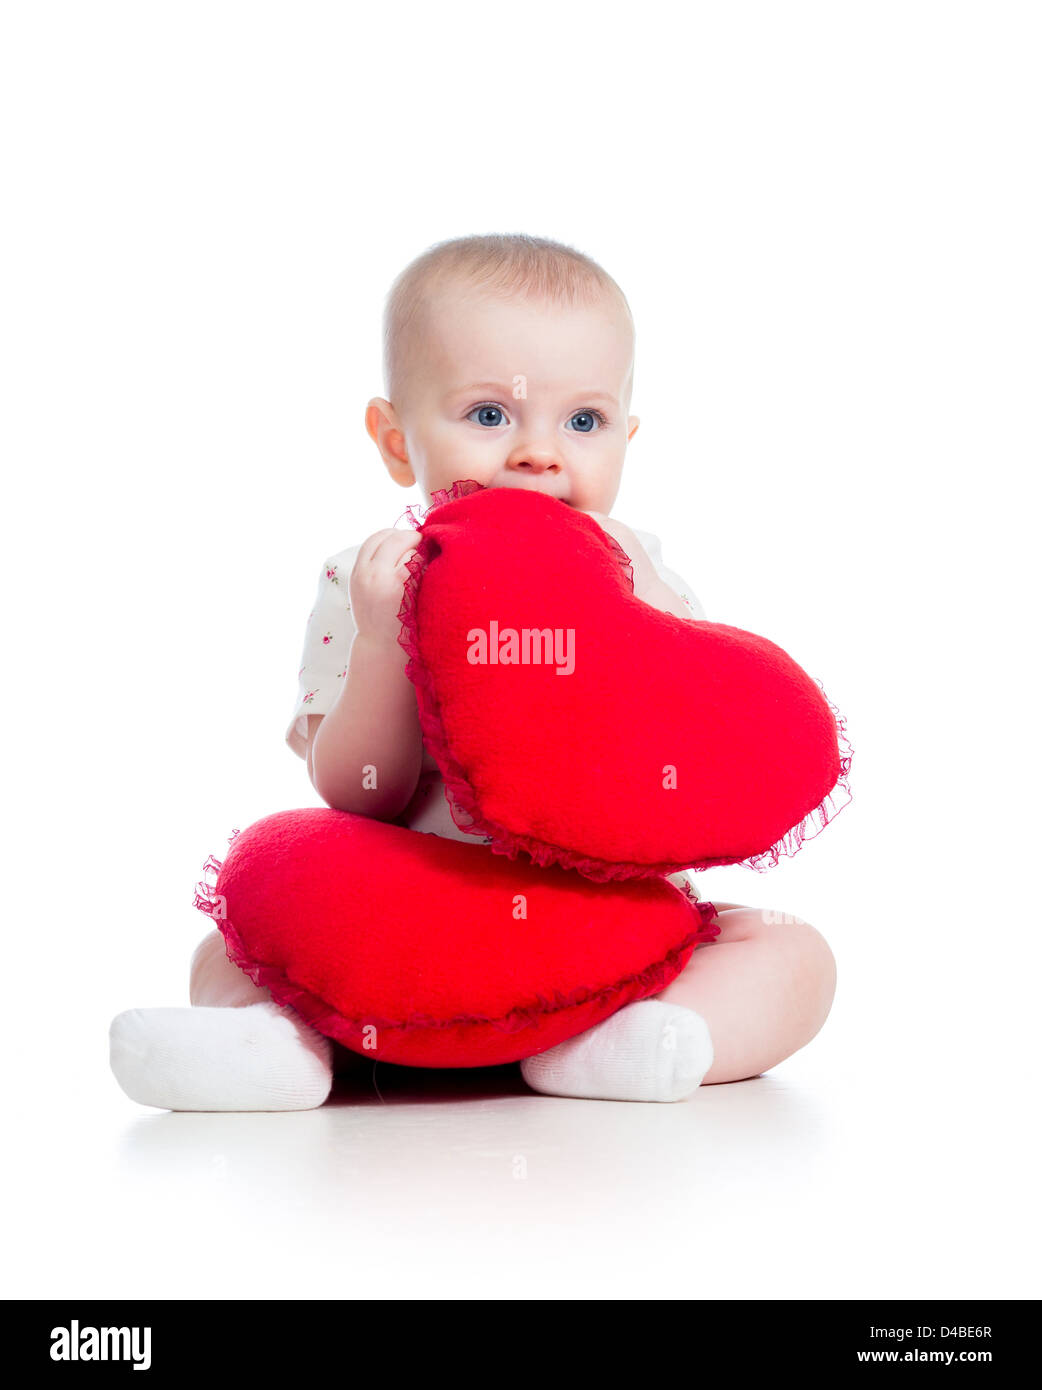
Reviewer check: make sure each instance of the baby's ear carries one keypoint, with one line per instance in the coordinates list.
(633, 425)
(381, 421)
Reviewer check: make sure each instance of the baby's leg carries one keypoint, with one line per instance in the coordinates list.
(764, 987)
(215, 982)
(236, 1049)
(742, 1004)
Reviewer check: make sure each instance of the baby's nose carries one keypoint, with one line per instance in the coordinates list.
(535, 461)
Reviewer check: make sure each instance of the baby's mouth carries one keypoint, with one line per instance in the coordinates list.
(521, 488)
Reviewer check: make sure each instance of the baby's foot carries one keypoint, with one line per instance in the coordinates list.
(261, 1057)
(647, 1051)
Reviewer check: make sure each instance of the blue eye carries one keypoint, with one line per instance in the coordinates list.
(484, 412)
(586, 420)
(492, 416)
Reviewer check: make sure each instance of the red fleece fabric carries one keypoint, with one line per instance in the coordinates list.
(411, 948)
(671, 744)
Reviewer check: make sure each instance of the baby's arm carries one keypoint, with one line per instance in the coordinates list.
(659, 595)
(374, 724)
(647, 585)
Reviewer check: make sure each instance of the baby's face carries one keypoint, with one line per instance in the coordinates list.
(515, 394)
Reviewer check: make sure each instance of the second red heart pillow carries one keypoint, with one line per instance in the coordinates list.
(416, 949)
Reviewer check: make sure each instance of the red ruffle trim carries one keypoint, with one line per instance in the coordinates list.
(320, 1014)
(463, 804)
(823, 814)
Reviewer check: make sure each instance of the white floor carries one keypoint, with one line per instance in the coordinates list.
(827, 1178)
(896, 1156)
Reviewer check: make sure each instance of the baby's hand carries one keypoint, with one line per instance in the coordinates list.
(377, 581)
(645, 577)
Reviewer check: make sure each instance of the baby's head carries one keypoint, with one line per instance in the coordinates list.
(507, 359)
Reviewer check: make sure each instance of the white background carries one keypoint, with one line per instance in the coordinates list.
(826, 218)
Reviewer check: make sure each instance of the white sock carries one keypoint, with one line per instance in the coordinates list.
(647, 1051)
(261, 1057)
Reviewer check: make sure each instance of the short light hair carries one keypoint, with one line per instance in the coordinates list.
(502, 264)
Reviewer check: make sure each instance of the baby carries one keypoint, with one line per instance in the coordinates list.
(508, 360)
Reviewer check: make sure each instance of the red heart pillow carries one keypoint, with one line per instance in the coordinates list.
(574, 722)
(412, 948)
